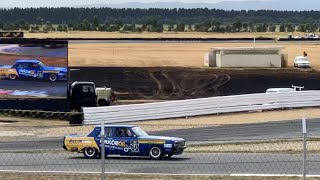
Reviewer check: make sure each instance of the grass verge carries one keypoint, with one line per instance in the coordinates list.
(275, 146)
(49, 176)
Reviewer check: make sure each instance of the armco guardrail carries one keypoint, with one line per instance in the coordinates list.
(204, 106)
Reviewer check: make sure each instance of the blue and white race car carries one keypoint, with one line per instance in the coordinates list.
(33, 69)
(126, 140)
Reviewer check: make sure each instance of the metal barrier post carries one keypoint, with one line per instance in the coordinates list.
(102, 152)
(304, 132)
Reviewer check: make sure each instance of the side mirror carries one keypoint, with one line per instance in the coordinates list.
(134, 136)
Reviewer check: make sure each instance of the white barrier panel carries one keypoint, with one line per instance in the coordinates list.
(198, 107)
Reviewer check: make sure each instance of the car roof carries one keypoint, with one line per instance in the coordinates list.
(121, 126)
(28, 61)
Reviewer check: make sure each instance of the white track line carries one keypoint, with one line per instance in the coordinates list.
(161, 174)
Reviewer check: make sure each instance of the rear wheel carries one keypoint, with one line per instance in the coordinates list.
(90, 153)
(156, 153)
(13, 76)
(53, 77)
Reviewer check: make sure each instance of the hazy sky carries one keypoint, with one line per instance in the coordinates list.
(59, 3)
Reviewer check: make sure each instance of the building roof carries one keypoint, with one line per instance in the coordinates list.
(247, 48)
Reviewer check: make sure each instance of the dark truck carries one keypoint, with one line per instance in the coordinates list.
(86, 94)
(33, 69)
(80, 94)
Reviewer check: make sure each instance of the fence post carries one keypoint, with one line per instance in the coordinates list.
(102, 152)
(304, 132)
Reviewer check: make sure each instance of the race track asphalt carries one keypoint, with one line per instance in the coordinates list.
(241, 132)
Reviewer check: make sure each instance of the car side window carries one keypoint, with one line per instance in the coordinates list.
(35, 66)
(20, 65)
(123, 132)
(108, 133)
(28, 65)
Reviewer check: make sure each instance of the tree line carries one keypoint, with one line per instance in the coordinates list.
(157, 20)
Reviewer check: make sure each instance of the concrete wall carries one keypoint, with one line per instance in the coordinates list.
(218, 58)
(249, 60)
(210, 59)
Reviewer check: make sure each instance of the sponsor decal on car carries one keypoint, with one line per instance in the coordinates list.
(133, 146)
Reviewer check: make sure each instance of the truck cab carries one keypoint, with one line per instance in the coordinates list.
(82, 94)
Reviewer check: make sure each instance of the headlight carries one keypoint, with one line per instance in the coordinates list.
(167, 145)
(180, 143)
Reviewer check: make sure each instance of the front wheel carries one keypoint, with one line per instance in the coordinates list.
(90, 153)
(53, 77)
(156, 153)
(103, 102)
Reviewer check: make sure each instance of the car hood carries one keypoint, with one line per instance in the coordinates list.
(161, 138)
(61, 69)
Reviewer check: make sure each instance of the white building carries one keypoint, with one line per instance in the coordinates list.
(245, 57)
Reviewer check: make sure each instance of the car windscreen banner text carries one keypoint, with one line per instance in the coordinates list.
(36, 70)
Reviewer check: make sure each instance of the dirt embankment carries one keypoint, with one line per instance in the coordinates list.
(168, 83)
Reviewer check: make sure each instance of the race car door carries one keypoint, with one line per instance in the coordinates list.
(23, 69)
(127, 141)
(110, 144)
(37, 69)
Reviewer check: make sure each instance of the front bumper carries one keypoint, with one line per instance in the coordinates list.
(303, 65)
(178, 148)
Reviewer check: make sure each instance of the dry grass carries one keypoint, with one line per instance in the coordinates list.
(280, 146)
(49, 176)
(91, 34)
(168, 54)
(163, 54)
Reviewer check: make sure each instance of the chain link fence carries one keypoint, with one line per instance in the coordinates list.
(271, 148)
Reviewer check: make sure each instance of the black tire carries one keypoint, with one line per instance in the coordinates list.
(90, 152)
(156, 153)
(53, 77)
(103, 102)
(13, 76)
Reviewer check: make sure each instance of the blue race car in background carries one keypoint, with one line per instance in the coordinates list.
(33, 69)
(126, 140)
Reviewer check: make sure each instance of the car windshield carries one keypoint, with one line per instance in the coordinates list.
(41, 64)
(302, 59)
(139, 132)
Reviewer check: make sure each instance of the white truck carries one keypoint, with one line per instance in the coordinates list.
(294, 88)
